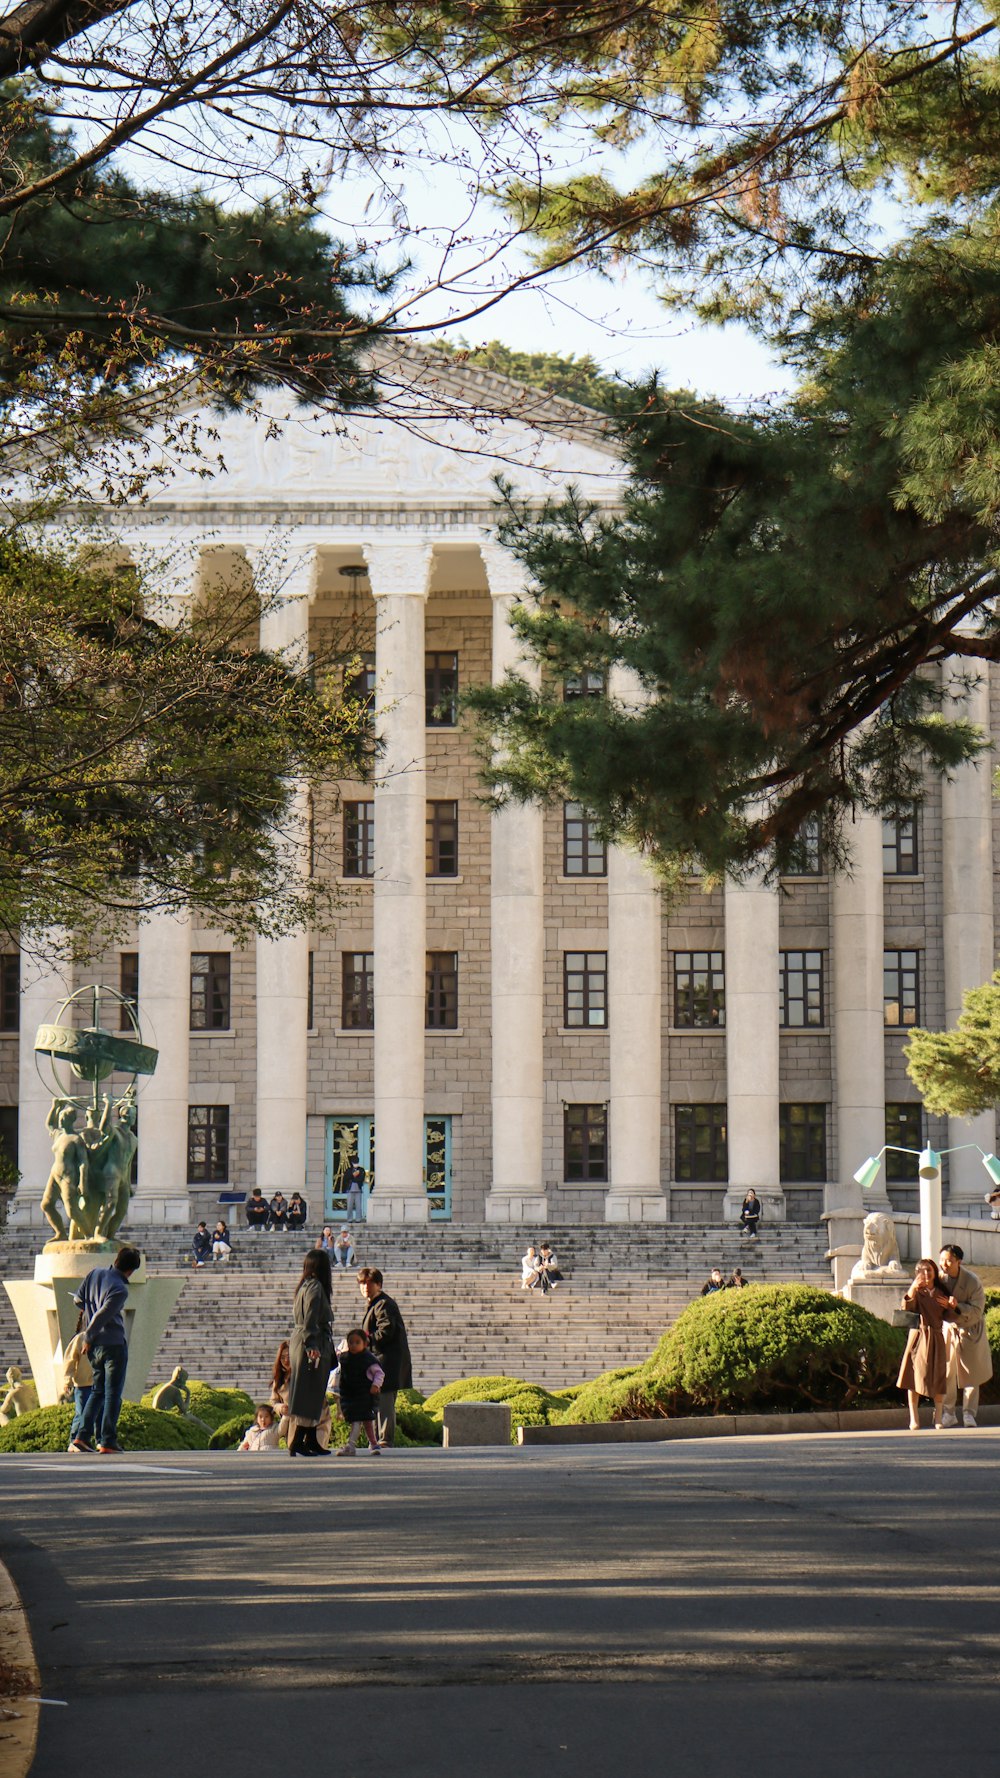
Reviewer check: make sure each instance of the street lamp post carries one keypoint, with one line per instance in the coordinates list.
(929, 1177)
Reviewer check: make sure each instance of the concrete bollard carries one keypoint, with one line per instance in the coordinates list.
(476, 1423)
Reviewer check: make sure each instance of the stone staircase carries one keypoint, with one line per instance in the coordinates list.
(460, 1292)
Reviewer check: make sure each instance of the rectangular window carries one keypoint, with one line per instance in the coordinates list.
(442, 839)
(807, 852)
(585, 989)
(585, 1143)
(359, 680)
(802, 1144)
(801, 989)
(128, 987)
(8, 1138)
(359, 839)
(210, 973)
(901, 987)
(441, 690)
(357, 1011)
(10, 991)
(699, 989)
(900, 856)
(701, 1151)
(310, 1004)
(208, 1144)
(904, 1128)
(442, 991)
(590, 683)
(584, 853)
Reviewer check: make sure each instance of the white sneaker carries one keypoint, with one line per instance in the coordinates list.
(948, 1418)
(347, 1451)
(968, 1419)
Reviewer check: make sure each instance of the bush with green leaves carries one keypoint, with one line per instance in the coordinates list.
(529, 1403)
(139, 1429)
(773, 1348)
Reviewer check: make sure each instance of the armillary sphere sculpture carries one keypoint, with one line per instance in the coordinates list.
(91, 1071)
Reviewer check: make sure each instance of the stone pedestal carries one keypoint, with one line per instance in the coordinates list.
(47, 1314)
(476, 1423)
(881, 1296)
(390, 1209)
(635, 1207)
(528, 1211)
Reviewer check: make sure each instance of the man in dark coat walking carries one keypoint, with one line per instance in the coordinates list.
(386, 1332)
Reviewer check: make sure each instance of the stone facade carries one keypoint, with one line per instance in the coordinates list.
(514, 1097)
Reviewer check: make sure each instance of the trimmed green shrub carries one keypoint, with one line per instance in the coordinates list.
(411, 1398)
(529, 1403)
(419, 1427)
(139, 1429)
(784, 1348)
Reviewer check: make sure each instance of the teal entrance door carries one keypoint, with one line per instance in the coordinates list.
(350, 1139)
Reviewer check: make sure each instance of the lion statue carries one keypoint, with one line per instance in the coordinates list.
(880, 1249)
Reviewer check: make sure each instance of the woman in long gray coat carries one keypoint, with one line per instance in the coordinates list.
(311, 1352)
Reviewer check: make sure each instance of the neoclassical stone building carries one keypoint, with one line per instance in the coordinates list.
(504, 1023)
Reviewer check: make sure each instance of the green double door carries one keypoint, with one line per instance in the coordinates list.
(350, 1139)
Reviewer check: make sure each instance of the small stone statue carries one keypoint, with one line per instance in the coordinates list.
(175, 1397)
(880, 1249)
(21, 1397)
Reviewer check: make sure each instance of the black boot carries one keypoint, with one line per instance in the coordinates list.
(311, 1445)
(295, 1444)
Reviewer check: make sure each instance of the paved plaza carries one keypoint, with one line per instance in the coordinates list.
(784, 1606)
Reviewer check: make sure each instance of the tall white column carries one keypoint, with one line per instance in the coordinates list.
(967, 889)
(45, 983)
(634, 1023)
(398, 574)
(282, 964)
(165, 992)
(857, 943)
(752, 1046)
(517, 942)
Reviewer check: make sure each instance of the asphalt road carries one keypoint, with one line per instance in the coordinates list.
(795, 1607)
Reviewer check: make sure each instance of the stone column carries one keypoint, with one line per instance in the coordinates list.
(165, 1005)
(858, 1018)
(282, 964)
(45, 983)
(752, 1039)
(399, 575)
(634, 1023)
(517, 941)
(967, 892)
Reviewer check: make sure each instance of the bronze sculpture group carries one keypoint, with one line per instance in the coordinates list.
(89, 1188)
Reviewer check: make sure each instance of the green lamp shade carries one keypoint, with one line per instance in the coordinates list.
(930, 1164)
(867, 1175)
(992, 1164)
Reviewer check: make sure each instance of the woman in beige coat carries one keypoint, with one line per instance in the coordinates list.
(970, 1362)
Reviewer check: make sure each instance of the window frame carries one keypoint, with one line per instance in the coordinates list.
(591, 846)
(716, 1148)
(589, 1141)
(10, 991)
(436, 836)
(358, 838)
(590, 682)
(787, 971)
(585, 973)
(685, 1015)
(128, 987)
(904, 994)
(360, 998)
(814, 1144)
(894, 861)
(439, 695)
(218, 991)
(441, 995)
(215, 1141)
(903, 1169)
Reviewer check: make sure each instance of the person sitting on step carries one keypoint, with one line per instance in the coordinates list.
(201, 1245)
(549, 1275)
(298, 1210)
(278, 1217)
(258, 1211)
(222, 1247)
(530, 1276)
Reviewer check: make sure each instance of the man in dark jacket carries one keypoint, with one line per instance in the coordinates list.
(101, 1298)
(386, 1332)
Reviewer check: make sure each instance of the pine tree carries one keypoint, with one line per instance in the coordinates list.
(957, 1072)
